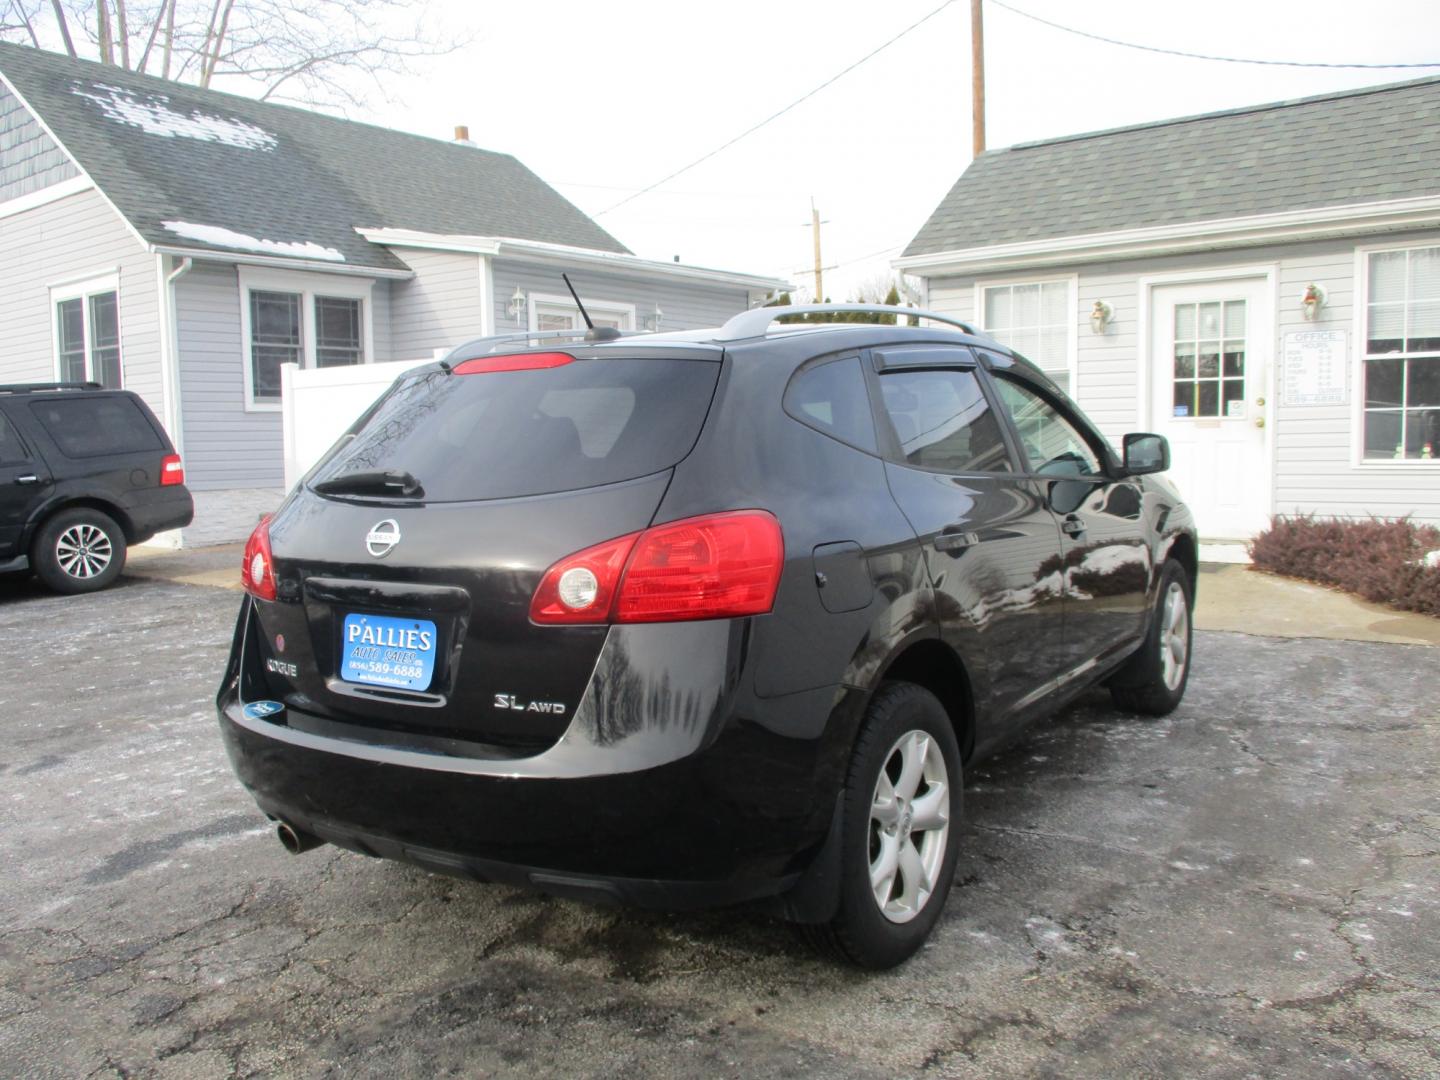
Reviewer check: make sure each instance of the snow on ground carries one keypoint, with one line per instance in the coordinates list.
(154, 116)
(216, 236)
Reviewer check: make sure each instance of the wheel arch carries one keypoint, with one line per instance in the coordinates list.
(934, 665)
(90, 502)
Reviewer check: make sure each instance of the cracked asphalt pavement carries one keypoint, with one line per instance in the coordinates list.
(1250, 887)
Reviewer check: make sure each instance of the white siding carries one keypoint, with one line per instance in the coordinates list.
(1314, 467)
(436, 309)
(77, 237)
(225, 446)
(685, 305)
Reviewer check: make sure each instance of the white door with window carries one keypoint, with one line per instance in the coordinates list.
(1210, 356)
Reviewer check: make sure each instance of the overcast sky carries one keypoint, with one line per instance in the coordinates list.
(601, 99)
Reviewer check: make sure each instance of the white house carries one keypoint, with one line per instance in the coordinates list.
(187, 244)
(1261, 285)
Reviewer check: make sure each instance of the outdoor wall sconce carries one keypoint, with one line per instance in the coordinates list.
(1100, 316)
(517, 306)
(1312, 300)
(652, 322)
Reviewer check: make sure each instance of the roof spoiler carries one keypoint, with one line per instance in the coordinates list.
(480, 346)
(756, 322)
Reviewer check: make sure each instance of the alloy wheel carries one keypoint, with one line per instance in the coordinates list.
(909, 826)
(1174, 636)
(83, 551)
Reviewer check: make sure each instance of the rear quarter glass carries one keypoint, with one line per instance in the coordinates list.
(84, 425)
(505, 434)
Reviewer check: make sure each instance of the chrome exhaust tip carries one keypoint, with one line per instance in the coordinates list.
(296, 840)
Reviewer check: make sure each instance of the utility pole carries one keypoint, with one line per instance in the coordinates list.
(977, 74)
(820, 268)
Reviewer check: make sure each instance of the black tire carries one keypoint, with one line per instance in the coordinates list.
(78, 551)
(1148, 683)
(861, 932)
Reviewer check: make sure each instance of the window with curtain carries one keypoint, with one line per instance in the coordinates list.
(87, 335)
(1033, 319)
(1402, 355)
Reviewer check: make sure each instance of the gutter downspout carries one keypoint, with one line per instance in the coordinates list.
(170, 366)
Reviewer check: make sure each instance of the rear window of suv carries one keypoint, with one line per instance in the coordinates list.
(504, 434)
(86, 426)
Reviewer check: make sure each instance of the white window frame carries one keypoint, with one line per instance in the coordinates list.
(626, 312)
(82, 290)
(1072, 335)
(1360, 319)
(307, 286)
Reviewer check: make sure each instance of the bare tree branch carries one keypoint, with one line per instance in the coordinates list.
(64, 26)
(208, 72)
(154, 32)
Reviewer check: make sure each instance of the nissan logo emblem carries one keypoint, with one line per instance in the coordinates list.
(382, 537)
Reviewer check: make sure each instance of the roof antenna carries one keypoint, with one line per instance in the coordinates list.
(589, 323)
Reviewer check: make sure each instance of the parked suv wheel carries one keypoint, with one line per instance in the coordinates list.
(902, 804)
(1153, 680)
(79, 551)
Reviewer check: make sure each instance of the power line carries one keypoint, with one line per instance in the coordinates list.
(1191, 55)
(776, 115)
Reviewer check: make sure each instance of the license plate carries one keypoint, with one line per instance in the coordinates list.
(386, 651)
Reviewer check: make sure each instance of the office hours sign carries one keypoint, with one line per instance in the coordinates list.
(1315, 368)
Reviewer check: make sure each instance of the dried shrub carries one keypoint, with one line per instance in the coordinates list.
(1382, 561)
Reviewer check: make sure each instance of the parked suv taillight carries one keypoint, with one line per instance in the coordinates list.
(717, 566)
(172, 470)
(257, 572)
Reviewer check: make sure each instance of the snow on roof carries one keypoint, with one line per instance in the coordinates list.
(216, 236)
(154, 116)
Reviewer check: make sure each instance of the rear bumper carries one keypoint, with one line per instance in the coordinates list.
(154, 510)
(721, 798)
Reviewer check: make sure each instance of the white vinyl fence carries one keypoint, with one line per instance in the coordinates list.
(318, 404)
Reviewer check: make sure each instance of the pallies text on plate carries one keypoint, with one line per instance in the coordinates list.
(391, 637)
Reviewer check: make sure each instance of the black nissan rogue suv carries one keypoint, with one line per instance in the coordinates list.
(694, 618)
(84, 473)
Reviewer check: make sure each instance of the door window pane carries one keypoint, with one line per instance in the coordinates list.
(1052, 445)
(10, 448)
(337, 332)
(1206, 353)
(70, 331)
(943, 421)
(274, 339)
(832, 398)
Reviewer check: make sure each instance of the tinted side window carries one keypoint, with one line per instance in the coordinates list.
(1052, 444)
(86, 426)
(10, 448)
(831, 397)
(943, 421)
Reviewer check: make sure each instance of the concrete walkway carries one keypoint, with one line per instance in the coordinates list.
(1247, 601)
(1231, 597)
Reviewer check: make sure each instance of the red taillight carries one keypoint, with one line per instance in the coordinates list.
(713, 567)
(581, 588)
(172, 470)
(257, 572)
(517, 362)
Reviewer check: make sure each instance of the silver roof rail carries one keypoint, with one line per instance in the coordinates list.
(601, 333)
(756, 322)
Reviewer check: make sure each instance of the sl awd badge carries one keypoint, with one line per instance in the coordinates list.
(514, 704)
(382, 537)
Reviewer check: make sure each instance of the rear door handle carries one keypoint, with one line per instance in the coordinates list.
(954, 541)
(1072, 526)
(28, 478)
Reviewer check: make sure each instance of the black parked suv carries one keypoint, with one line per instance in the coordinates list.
(696, 618)
(84, 473)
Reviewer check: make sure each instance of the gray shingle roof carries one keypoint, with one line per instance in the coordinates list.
(166, 152)
(1359, 146)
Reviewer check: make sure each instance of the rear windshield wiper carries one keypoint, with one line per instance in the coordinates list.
(393, 482)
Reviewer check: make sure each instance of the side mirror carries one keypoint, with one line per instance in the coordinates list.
(1146, 453)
